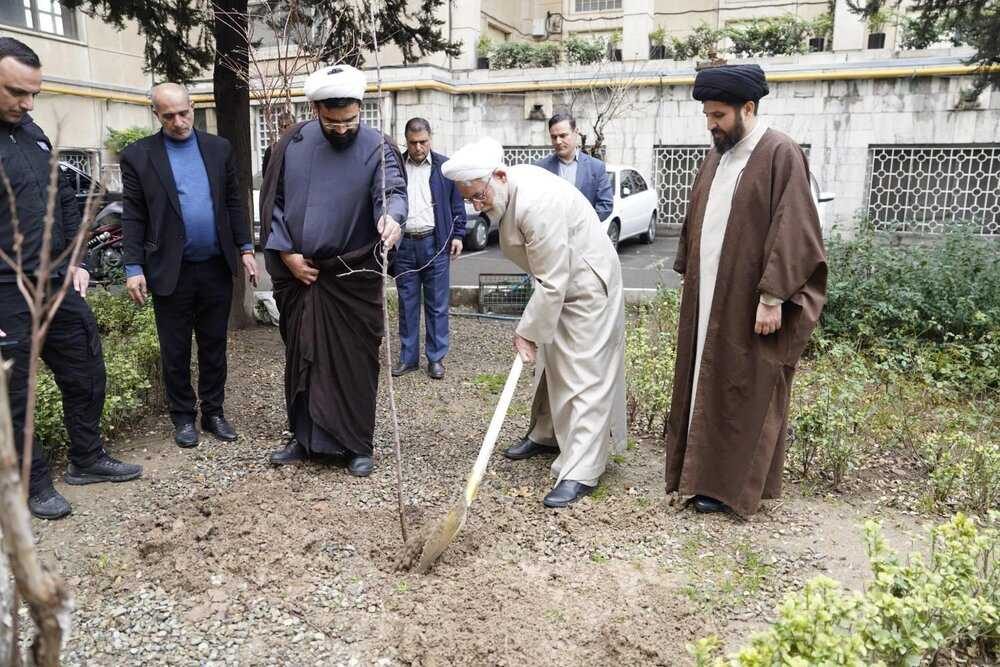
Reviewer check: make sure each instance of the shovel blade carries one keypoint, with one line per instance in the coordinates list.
(442, 535)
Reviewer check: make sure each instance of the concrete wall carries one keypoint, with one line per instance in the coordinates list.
(839, 119)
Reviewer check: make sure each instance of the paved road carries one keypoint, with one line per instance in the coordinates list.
(643, 266)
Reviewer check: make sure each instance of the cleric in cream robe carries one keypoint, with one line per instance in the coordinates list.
(754, 269)
(574, 323)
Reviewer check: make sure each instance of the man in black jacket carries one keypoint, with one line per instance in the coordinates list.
(186, 233)
(72, 349)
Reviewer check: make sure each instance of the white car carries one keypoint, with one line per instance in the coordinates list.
(634, 212)
(477, 228)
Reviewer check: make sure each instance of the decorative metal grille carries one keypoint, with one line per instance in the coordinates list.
(304, 111)
(597, 5)
(674, 171)
(82, 160)
(513, 155)
(927, 189)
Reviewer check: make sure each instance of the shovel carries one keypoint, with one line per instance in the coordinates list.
(441, 535)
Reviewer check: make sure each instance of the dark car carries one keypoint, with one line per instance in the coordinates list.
(82, 184)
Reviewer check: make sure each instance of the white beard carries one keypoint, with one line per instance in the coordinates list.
(501, 197)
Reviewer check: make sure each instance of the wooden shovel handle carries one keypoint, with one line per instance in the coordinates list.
(493, 432)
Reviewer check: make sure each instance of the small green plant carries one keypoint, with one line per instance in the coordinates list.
(598, 557)
(658, 37)
(909, 613)
(650, 351)
(483, 46)
(511, 55)
(822, 26)
(616, 38)
(118, 140)
(490, 382)
(878, 19)
(700, 44)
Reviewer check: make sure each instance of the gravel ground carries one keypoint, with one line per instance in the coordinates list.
(217, 558)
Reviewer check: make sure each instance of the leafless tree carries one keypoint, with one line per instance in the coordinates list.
(607, 96)
(49, 600)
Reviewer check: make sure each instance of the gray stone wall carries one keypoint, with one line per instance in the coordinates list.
(838, 119)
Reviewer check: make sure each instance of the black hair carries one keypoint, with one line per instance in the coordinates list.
(338, 102)
(19, 51)
(563, 117)
(417, 125)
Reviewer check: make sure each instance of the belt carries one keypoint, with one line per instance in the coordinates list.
(416, 236)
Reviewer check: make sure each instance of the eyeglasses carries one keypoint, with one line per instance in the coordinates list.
(341, 126)
(480, 196)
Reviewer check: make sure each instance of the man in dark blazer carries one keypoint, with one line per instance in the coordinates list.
(186, 233)
(587, 173)
(432, 234)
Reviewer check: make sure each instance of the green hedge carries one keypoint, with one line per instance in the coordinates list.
(131, 355)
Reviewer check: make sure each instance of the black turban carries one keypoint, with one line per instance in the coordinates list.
(733, 84)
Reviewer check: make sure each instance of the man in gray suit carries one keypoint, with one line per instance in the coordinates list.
(587, 173)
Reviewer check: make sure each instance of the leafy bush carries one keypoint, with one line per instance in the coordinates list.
(650, 351)
(780, 35)
(512, 55)
(546, 54)
(131, 356)
(908, 614)
(827, 424)
(962, 463)
(701, 43)
(118, 140)
(893, 300)
(585, 51)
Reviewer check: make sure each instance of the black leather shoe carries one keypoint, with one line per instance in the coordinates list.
(48, 504)
(185, 435)
(293, 452)
(403, 369)
(360, 466)
(566, 493)
(706, 505)
(219, 427)
(104, 469)
(525, 448)
(435, 369)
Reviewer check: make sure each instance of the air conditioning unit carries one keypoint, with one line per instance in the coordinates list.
(538, 28)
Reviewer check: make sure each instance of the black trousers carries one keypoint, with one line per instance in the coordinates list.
(73, 352)
(200, 305)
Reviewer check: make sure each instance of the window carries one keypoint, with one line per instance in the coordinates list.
(82, 160)
(639, 182)
(597, 5)
(927, 189)
(41, 15)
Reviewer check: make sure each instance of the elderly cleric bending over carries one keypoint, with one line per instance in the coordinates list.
(574, 321)
(754, 269)
(324, 220)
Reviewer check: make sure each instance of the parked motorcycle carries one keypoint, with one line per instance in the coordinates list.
(105, 256)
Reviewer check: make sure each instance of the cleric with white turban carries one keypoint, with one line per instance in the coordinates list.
(573, 325)
(328, 205)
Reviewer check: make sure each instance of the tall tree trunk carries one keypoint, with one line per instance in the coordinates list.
(232, 111)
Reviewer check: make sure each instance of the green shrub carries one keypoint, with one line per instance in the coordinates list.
(118, 140)
(581, 51)
(908, 614)
(831, 408)
(650, 351)
(546, 54)
(773, 36)
(962, 463)
(512, 55)
(701, 43)
(947, 291)
(131, 357)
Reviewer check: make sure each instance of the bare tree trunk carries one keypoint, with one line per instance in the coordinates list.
(49, 601)
(6, 609)
(232, 111)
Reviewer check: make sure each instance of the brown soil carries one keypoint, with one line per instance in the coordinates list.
(215, 557)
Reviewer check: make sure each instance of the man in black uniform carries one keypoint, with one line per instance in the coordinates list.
(73, 348)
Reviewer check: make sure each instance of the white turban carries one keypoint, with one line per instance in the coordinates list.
(474, 161)
(336, 81)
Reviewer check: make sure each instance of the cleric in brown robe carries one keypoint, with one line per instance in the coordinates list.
(751, 253)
